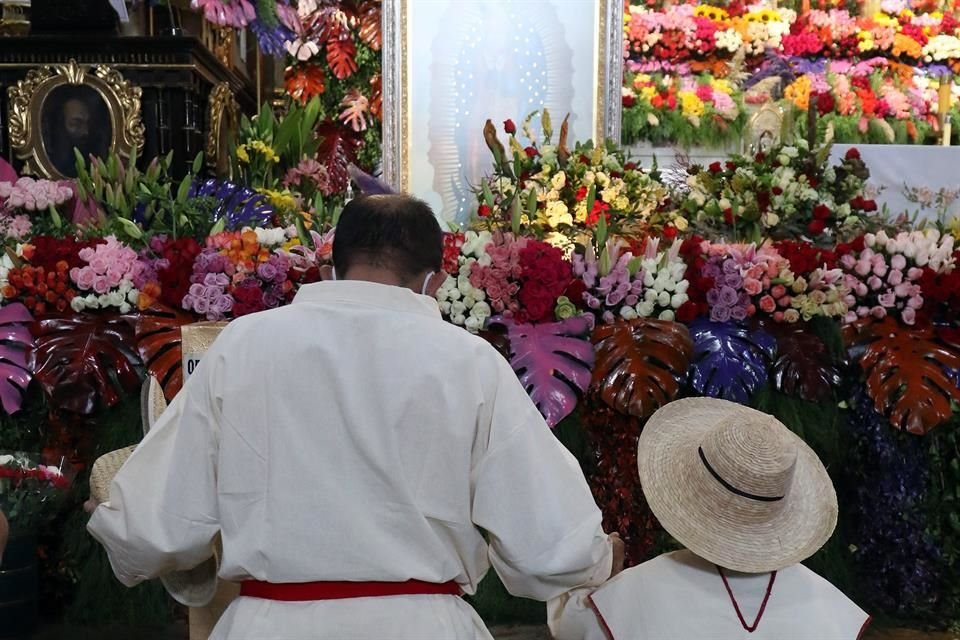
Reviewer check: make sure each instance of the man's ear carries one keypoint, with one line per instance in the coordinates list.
(326, 273)
(434, 282)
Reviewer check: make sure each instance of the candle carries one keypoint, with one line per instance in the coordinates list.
(945, 97)
(945, 141)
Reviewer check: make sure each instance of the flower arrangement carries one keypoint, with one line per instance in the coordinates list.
(30, 491)
(791, 190)
(545, 189)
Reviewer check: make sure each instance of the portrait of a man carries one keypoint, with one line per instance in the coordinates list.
(74, 117)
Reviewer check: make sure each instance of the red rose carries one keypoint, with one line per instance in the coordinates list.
(574, 293)
(688, 311)
(484, 211)
(715, 167)
(531, 152)
(852, 154)
(581, 193)
(669, 232)
(509, 127)
(822, 212)
(728, 215)
(777, 191)
(816, 227)
(629, 101)
(630, 166)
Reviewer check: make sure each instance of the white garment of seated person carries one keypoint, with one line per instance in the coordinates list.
(682, 596)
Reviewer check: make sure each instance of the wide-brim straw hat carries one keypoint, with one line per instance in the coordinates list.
(735, 486)
(194, 587)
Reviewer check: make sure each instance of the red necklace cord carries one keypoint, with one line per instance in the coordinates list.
(733, 599)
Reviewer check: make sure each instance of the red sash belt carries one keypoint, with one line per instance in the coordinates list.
(310, 591)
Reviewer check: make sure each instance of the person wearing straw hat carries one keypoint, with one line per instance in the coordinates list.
(363, 461)
(749, 500)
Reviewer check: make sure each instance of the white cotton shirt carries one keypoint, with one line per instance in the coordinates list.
(680, 595)
(355, 436)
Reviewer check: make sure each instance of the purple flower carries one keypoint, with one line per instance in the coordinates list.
(613, 298)
(733, 280)
(267, 271)
(608, 317)
(738, 313)
(720, 314)
(888, 299)
(728, 296)
(729, 266)
(196, 290)
(631, 300)
(713, 297)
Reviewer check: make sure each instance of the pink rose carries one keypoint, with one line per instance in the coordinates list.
(895, 277)
(874, 283)
(752, 286)
(898, 262)
(778, 291)
(85, 254)
(915, 302)
(909, 315)
(755, 272)
(878, 312)
(914, 273)
(863, 311)
(880, 269)
(863, 267)
(848, 261)
(861, 289)
(100, 284)
(888, 299)
(84, 278)
(778, 316)
(784, 301)
(902, 290)
(767, 304)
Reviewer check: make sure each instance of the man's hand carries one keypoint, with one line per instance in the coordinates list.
(90, 505)
(619, 553)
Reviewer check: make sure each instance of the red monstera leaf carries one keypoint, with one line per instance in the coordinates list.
(338, 148)
(86, 361)
(371, 33)
(158, 340)
(376, 96)
(804, 366)
(907, 372)
(552, 361)
(15, 344)
(342, 57)
(305, 81)
(640, 364)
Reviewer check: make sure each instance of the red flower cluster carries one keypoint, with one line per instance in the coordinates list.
(248, 298)
(805, 257)
(47, 251)
(856, 245)
(175, 278)
(40, 290)
(941, 292)
(19, 475)
(545, 276)
(699, 284)
(452, 242)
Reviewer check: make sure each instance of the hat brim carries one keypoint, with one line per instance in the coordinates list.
(703, 516)
(195, 587)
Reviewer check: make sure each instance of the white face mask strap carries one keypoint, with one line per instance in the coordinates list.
(333, 273)
(426, 281)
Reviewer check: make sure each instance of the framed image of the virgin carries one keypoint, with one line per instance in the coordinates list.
(449, 65)
(61, 110)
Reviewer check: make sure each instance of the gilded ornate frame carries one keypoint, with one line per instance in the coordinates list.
(26, 108)
(223, 113)
(608, 77)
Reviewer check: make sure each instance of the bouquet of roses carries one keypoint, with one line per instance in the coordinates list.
(107, 279)
(884, 274)
(30, 491)
(460, 301)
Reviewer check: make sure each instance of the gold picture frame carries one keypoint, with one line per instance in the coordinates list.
(223, 115)
(61, 107)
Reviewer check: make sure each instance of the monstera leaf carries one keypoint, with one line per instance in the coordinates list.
(804, 366)
(640, 364)
(552, 362)
(370, 24)
(338, 148)
(158, 341)
(906, 370)
(15, 343)
(85, 361)
(730, 361)
(342, 57)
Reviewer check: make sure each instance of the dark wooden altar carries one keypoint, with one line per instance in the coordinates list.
(176, 74)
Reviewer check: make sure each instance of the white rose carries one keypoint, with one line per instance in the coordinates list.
(444, 307)
(458, 308)
(482, 310)
(133, 296)
(125, 308)
(678, 299)
(628, 313)
(663, 299)
(645, 309)
(473, 324)
(650, 296)
(682, 286)
(77, 304)
(667, 315)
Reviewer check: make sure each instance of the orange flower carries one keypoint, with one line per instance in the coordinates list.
(148, 295)
(906, 46)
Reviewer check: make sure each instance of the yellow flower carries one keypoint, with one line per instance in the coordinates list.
(798, 92)
(242, 155)
(621, 203)
(281, 200)
(557, 214)
(265, 150)
(580, 213)
(647, 93)
(722, 85)
(680, 223)
(690, 104)
(559, 241)
(953, 226)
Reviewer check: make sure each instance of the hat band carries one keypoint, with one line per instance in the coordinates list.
(729, 487)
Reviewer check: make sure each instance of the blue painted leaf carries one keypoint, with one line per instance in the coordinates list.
(15, 343)
(730, 361)
(552, 360)
(242, 206)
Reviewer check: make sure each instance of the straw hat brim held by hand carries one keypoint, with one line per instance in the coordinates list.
(735, 486)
